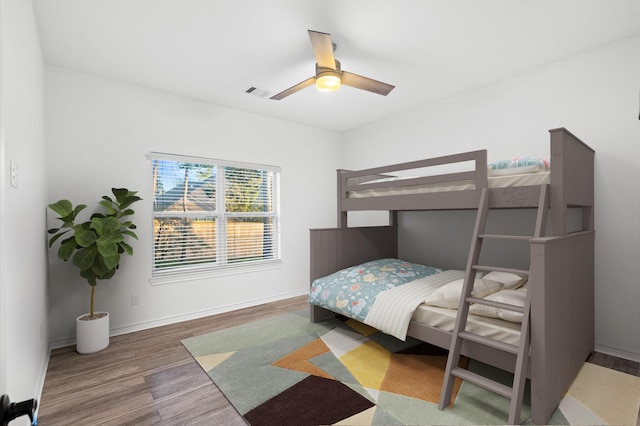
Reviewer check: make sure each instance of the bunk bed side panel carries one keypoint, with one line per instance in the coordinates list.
(562, 316)
(338, 248)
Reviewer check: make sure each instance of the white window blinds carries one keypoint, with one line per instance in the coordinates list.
(212, 213)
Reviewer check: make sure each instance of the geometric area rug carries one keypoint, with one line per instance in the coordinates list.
(286, 370)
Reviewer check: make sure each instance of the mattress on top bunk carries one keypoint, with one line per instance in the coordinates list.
(505, 181)
(388, 293)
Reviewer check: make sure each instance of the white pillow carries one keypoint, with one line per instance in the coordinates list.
(509, 281)
(448, 296)
(511, 297)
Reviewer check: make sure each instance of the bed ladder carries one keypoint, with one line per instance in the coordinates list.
(516, 392)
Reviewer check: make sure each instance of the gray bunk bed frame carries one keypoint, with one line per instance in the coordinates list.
(561, 279)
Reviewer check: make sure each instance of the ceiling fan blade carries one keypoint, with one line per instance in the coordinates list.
(365, 83)
(323, 49)
(293, 89)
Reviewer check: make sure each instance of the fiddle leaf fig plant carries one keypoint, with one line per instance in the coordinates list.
(95, 246)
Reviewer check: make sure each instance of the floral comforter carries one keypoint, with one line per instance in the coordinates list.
(352, 291)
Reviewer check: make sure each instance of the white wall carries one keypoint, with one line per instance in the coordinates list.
(24, 346)
(98, 133)
(595, 96)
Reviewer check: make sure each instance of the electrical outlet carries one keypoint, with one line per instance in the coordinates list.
(13, 166)
(135, 299)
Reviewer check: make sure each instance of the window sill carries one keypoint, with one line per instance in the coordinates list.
(178, 277)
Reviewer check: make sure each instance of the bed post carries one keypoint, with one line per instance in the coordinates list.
(571, 180)
(342, 215)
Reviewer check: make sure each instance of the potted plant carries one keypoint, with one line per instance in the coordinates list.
(95, 247)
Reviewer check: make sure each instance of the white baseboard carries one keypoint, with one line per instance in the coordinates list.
(186, 317)
(618, 353)
(43, 376)
(247, 304)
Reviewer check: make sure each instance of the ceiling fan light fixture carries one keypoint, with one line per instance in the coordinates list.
(329, 75)
(328, 81)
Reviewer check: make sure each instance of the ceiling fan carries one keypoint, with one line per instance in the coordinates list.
(329, 75)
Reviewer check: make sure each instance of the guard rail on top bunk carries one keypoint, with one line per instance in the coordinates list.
(571, 180)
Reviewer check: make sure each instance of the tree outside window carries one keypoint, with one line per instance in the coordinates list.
(212, 214)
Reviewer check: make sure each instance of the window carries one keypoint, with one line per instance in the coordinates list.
(212, 214)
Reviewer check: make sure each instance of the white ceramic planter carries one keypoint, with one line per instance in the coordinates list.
(92, 335)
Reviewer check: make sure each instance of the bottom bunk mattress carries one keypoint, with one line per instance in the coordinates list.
(388, 294)
(445, 319)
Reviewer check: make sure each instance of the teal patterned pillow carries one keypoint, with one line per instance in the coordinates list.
(518, 165)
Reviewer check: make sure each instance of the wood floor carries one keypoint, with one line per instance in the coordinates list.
(145, 378)
(149, 378)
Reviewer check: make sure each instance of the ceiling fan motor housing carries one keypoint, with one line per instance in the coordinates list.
(321, 70)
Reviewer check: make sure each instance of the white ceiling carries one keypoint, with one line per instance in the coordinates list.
(213, 50)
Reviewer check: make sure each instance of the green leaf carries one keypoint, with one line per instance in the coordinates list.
(125, 197)
(130, 233)
(56, 237)
(127, 248)
(66, 249)
(62, 207)
(107, 247)
(111, 262)
(121, 194)
(85, 237)
(66, 211)
(111, 237)
(106, 226)
(85, 257)
(78, 209)
(109, 274)
(89, 275)
(99, 268)
(128, 201)
(97, 224)
(108, 205)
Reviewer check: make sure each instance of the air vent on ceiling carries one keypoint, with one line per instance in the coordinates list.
(252, 90)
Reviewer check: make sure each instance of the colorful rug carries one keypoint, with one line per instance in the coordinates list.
(288, 371)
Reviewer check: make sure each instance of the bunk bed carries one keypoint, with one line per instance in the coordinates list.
(560, 275)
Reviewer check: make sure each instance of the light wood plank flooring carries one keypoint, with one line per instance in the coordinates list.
(149, 378)
(145, 378)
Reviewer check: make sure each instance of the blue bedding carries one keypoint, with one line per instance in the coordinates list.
(352, 291)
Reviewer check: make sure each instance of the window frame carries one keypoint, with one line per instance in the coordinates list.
(222, 266)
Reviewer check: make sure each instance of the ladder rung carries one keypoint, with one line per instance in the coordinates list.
(482, 381)
(493, 303)
(501, 269)
(506, 237)
(487, 341)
